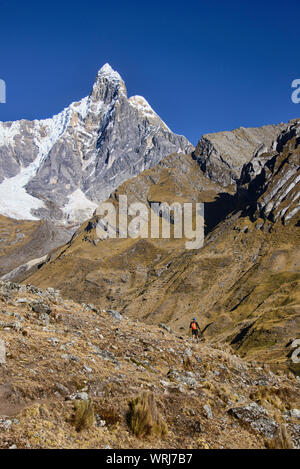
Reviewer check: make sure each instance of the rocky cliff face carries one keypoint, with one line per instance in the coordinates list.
(61, 168)
(222, 155)
(270, 182)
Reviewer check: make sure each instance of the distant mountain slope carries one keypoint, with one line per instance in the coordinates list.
(22, 241)
(88, 267)
(243, 285)
(61, 168)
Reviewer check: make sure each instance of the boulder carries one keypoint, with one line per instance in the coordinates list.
(40, 307)
(257, 417)
(114, 314)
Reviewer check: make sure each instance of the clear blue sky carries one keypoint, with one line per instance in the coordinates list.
(204, 66)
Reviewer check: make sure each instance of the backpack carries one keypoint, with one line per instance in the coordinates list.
(194, 326)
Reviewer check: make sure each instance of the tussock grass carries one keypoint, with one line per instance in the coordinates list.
(279, 398)
(84, 416)
(110, 415)
(208, 385)
(144, 419)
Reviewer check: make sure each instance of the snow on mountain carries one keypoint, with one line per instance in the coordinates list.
(78, 205)
(15, 201)
(142, 106)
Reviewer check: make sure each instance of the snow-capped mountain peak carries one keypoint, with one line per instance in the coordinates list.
(107, 71)
(108, 85)
(62, 167)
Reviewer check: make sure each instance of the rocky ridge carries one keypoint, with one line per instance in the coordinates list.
(222, 155)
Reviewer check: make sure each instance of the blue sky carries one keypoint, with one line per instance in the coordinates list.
(203, 66)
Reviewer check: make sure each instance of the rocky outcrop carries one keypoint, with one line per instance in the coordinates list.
(61, 168)
(257, 417)
(222, 155)
(270, 183)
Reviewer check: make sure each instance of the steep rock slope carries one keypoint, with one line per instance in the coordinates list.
(61, 168)
(270, 181)
(68, 373)
(222, 155)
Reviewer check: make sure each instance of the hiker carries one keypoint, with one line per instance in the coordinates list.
(195, 328)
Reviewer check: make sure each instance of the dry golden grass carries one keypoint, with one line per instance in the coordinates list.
(84, 416)
(110, 415)
(279, 398)
(144, 419)
(36, 369)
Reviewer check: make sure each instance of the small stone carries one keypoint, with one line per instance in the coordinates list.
(87, 368)
(67, 356)
(114, 314)
(5, 424)
(99, 421)
(17, 326)
(295, 413)
(207, 411)
(188, 352)
(44, 318)
(2, 353)
(62, 389)
(164, 326)
(22, 301)
(40, 307)
(81, 396)
(53, 340)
